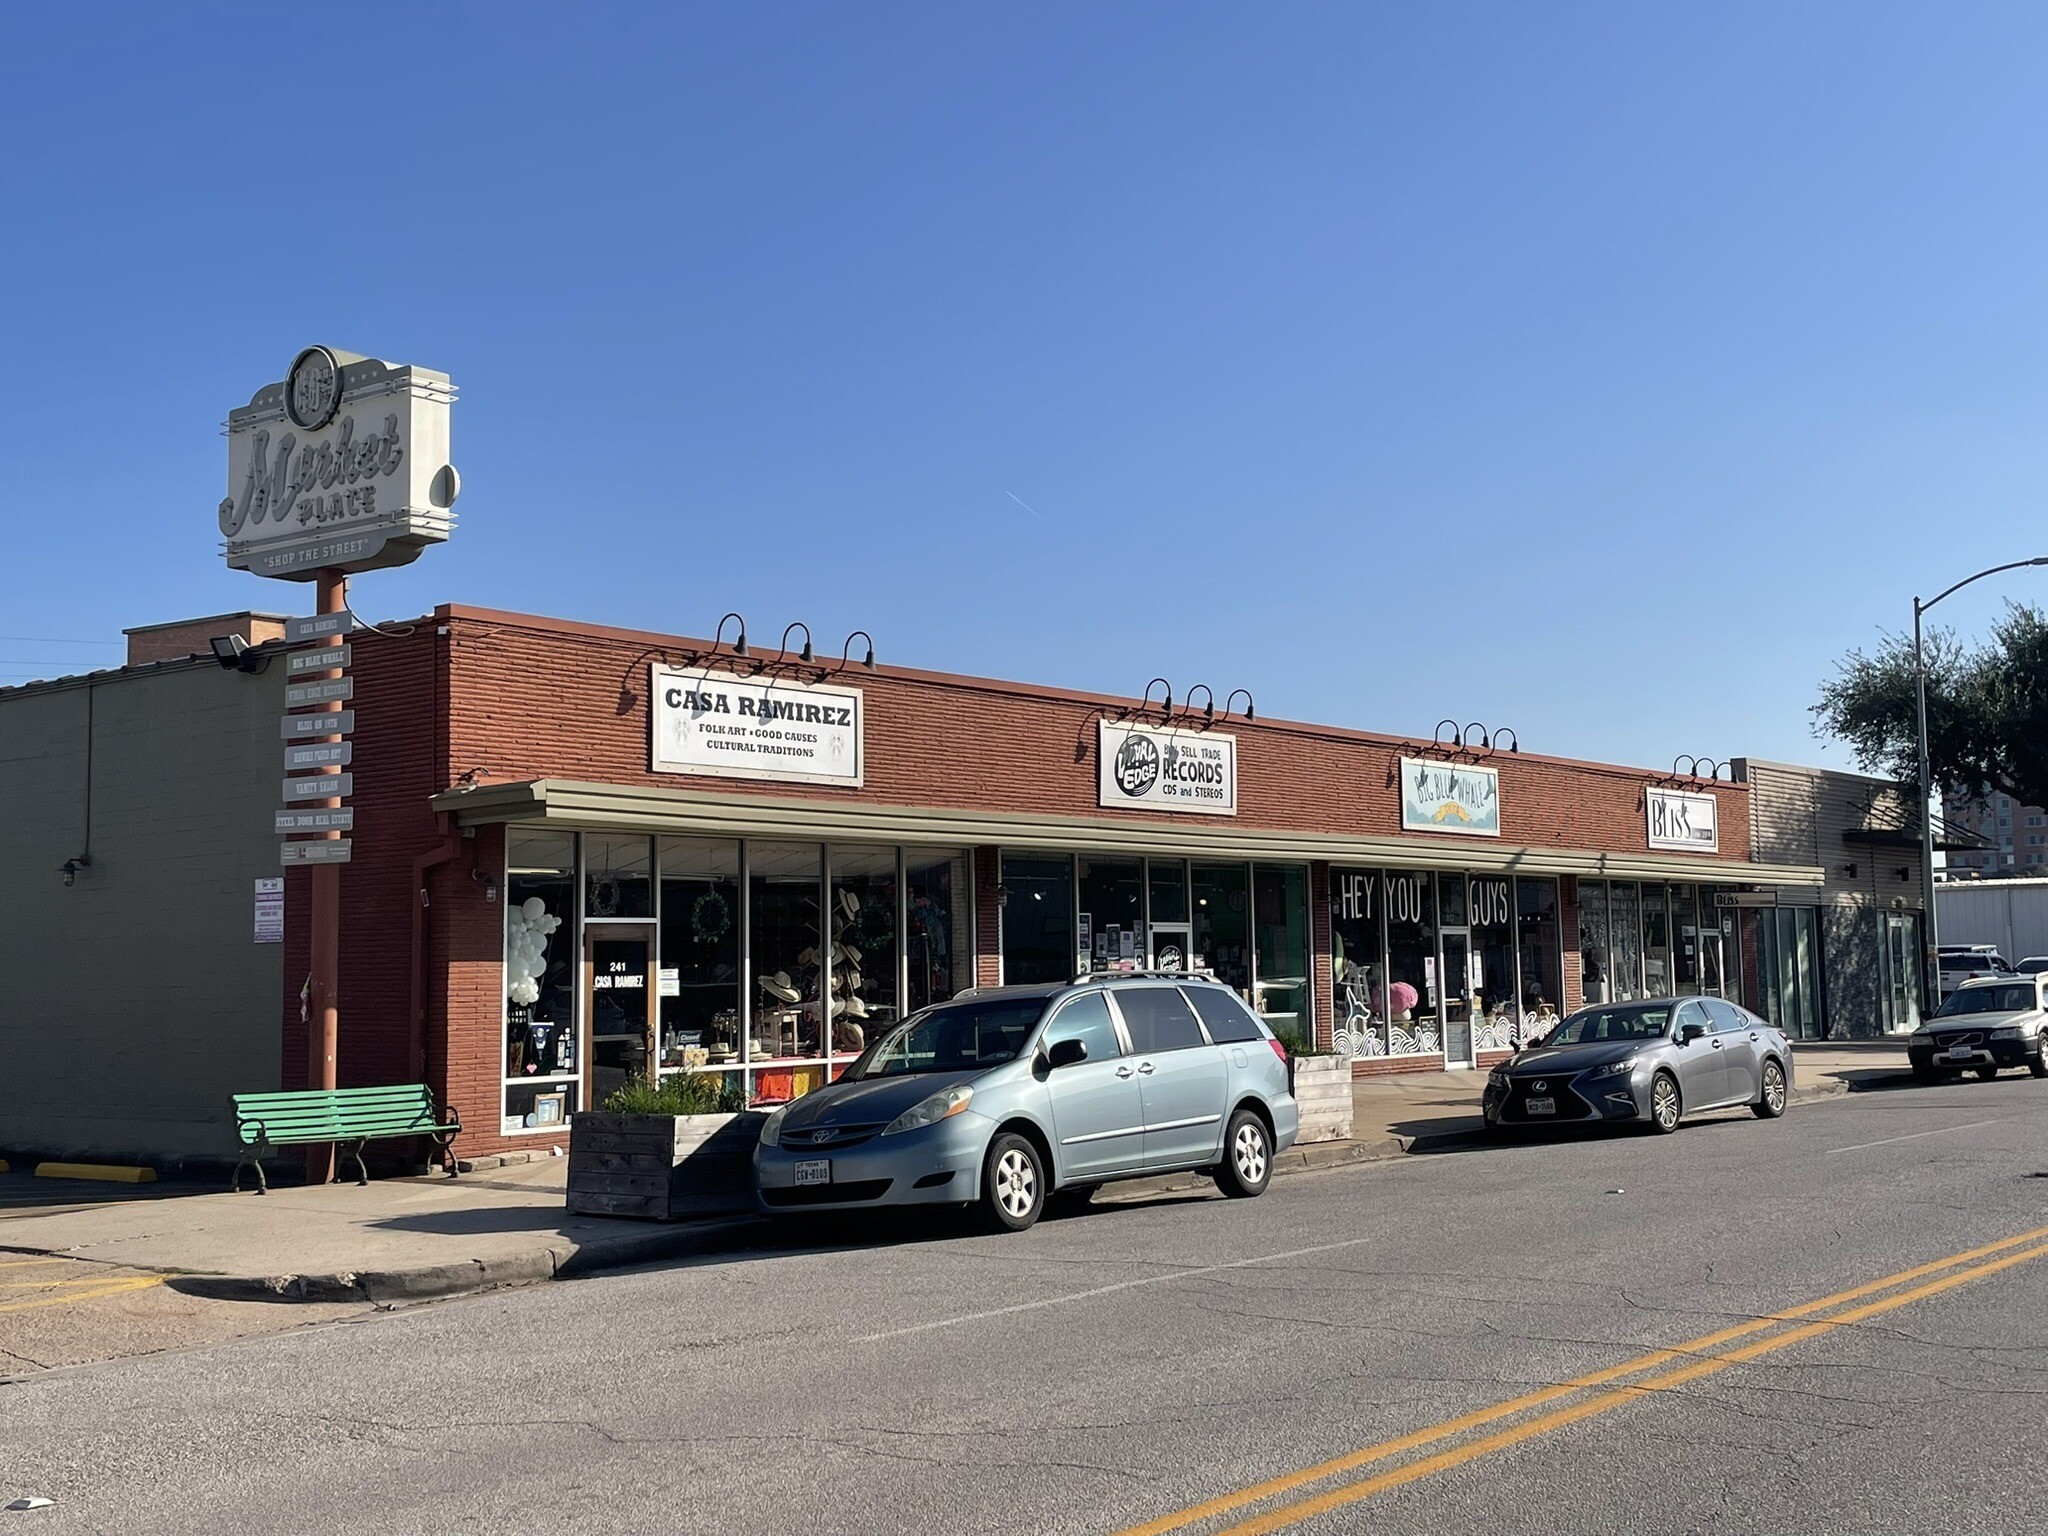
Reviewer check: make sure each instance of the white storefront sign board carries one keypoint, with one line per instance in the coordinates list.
(319, 754)
(270, 910)
(333, 850)
(325, 691)
(1449, 797)
(342, 820)
(334, 722)
(329, 658)
(320, 786)
(341, 465)
(1687, 823)
(1158, 768)
(734, 727)
(318, 626)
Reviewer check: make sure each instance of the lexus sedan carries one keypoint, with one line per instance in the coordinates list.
(1985, 1024)
(1654, 1062)
(1008, 1096)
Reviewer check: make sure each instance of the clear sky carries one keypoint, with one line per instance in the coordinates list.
(1603, 371)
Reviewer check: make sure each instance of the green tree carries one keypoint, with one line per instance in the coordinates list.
(1987, 709)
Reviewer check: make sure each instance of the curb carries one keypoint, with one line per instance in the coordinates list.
(429, 1282)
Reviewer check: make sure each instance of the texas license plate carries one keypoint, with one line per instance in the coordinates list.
(819, 1172)
(1960, 1053)
(1540, 1106)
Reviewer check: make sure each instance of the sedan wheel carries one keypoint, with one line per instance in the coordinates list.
(1013, 1183)
(1771, 1103)
(1247, 1166)
(1665, 1106)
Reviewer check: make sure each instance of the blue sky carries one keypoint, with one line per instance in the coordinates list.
(1599, 370)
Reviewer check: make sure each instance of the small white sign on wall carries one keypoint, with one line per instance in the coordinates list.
(270, 910)
(1681, 821)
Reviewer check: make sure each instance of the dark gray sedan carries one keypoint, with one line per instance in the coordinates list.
(1655, 1061)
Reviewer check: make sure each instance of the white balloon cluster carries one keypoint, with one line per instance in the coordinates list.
(527, 927)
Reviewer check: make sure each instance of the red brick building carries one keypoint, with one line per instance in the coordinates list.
(582, 853)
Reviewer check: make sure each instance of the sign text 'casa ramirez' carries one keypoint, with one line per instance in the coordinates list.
(735, 727)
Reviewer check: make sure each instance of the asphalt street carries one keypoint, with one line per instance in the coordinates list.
(1587, 1335)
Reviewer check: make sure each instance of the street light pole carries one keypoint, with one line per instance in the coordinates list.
(1932, 924)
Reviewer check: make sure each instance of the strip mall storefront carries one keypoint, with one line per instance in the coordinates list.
(624, 854)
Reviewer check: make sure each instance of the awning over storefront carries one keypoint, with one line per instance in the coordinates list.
(570, 803)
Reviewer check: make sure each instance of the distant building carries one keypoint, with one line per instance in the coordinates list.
(2014, 837)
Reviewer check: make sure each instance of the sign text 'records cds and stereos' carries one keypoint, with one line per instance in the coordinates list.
(737, 727)
(1449, 797)
(1683, 821)
(342, 465)
(1156, 768)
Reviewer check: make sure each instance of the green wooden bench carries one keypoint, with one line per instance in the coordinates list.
(348, 1117)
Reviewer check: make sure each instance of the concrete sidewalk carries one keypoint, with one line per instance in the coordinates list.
(408, 1239)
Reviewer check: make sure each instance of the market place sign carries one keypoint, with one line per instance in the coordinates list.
(1449, 797)
(1683, 822)
(1152, 768)
(755, 728)
(341, 465)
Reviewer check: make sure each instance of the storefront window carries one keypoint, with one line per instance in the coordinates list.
(864, 948)
(698, 995)
(940, 956)
(1656, 943)
(1280, 951)
(1223, 924)
(1788, 958)
(541, 1057)
(1542, 966)
(1411, 1002)
(617, 877)
(1625, 941)
(1492, 914)
(1594, 987)
(788, 966)
(1358, 962)
(1169, 878)
(1685, 940)
(1110, 927)
(1038, 919)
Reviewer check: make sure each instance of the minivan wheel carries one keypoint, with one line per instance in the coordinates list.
(1247, 1166)
(1771, 1102)
(1012, 1183)
(2038, 1062)
(1665, 1105)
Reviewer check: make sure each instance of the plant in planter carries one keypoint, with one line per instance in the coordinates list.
(682, 1146)
(1321, 1083)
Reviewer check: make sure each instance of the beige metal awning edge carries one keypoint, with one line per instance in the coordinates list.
(571, 803)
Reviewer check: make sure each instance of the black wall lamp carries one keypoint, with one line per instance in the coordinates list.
(1166, 707)
(1208, 709)
(1701, 767)
(1474, 736)
(71, 867)
(1250, 712)
(799, 624)
(740, 645)
(235, 654)
(845, 655)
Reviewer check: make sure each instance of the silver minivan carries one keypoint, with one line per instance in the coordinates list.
(1007, 1097)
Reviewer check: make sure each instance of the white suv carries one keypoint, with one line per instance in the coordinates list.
(1985, 1024)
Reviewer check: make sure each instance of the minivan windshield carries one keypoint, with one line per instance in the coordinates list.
(954, 1037)
(1593, 1025)
(2007, 999)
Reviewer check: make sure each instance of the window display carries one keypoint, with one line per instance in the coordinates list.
(540, 971)
(1624, 941)
(1169, 890)
(1358, 962)
(1410, 1004)
(1593, 984)
(1038, 919)
(1110, 933)
(789, 966)
(1497, 1012)
(698, 975)
(862, 987)
(935, 933)
(1656, 943)
(1685, 941)
(1542, 965)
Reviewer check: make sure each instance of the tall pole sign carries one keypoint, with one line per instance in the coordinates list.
(341, 466)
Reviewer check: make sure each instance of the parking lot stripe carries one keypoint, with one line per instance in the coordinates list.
(1940, 1130)
(1291, 1482)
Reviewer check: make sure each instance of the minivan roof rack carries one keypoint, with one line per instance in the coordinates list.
(1110, 973)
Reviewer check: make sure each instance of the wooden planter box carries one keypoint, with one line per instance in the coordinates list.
(662, 1167)
(1322, 1089)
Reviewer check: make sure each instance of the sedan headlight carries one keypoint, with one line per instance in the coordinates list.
(1620, 1068)
(771, 1128)
(2010, 1032)
(942, 1105)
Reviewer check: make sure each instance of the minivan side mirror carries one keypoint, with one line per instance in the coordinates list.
(1687, 1033)
(1066, 1053)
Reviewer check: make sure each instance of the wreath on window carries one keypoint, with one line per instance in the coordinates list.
(604, 895)
(710, 917)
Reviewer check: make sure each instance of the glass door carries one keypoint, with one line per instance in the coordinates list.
(1171, 947)
(618, 971)
(1902, 972)
(1454, 987)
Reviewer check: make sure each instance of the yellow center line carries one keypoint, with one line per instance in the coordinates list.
(1351, 1493)
(111, 1288)
(25, 1263)
(46, 1285)
(1289, 1482)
